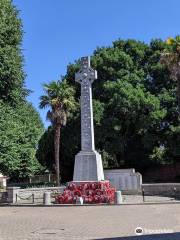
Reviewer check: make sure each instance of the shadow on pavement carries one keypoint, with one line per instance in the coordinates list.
(167, 236)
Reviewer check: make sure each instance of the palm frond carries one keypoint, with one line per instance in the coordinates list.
(59, 96)
(44, 101)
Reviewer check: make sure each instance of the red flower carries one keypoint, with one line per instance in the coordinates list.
(93, 186)
(90, 192)
(71, 186)
(98, 192)
(77, 193)
(86, 186)
(80, 187)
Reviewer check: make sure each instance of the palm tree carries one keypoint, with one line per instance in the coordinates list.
(171, 59)
(59, 97)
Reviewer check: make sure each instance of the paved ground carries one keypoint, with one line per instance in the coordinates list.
(90, 222)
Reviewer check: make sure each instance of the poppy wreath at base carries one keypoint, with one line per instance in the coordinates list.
(91, 192)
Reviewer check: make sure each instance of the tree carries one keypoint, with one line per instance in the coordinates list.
(20, 130)
(11, 59)
(171, 59)
(20, 124)
(59, 96)
(136, 116)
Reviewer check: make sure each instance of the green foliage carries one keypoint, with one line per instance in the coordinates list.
(135, 108)
(20, 124)
(35, 185)
(45, 151)
(135, 117)
(59, 96)
(20, 130)
(170, 58)
(11, 60)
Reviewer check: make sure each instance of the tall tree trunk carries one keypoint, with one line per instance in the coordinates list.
(56, 151)
(178, 94)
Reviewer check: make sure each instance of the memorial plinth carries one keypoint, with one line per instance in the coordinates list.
(88, 167)
(88, 178)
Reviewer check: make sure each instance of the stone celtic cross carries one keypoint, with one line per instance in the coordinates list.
(85, 77)
(88, 162)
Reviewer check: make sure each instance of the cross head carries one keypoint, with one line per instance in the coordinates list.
(86, 73)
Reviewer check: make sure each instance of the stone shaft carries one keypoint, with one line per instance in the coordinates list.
(85, 77)
(87, 128)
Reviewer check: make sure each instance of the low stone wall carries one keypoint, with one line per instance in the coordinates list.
(162, 189)
(30, 195)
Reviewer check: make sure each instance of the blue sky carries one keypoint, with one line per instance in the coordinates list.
(59, 31)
